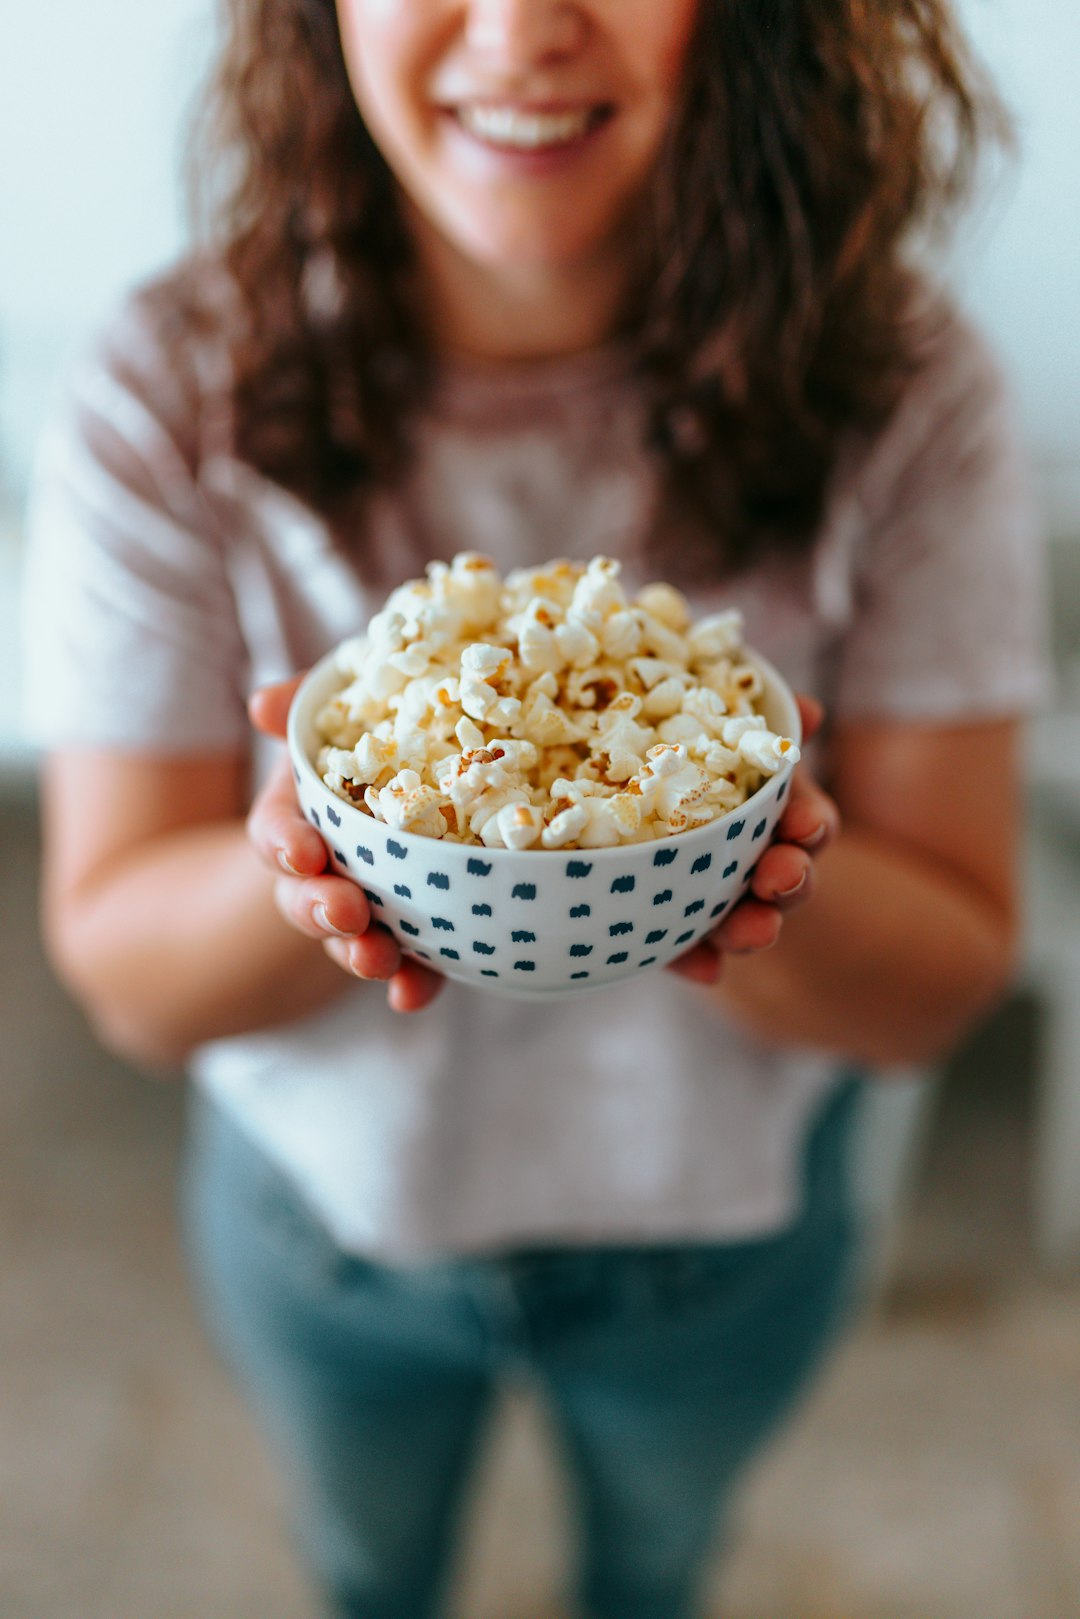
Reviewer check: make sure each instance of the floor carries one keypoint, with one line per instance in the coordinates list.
(934, 1474)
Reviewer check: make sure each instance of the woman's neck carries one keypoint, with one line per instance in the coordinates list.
(487, 313)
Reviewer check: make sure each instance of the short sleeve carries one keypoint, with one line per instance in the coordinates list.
(130, 634)
(949, 596)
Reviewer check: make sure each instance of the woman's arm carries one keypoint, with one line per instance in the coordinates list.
(160, 918)
(912, 931)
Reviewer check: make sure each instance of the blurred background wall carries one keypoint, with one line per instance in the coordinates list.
(92, 104)
(1018, 262)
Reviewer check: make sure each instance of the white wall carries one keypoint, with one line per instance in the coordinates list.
(1018, 267)
(91, 104)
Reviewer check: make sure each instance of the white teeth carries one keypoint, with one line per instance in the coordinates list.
(506, 126)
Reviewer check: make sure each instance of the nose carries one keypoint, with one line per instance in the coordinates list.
(523, 32)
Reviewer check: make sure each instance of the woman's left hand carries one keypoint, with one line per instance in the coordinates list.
(783, 877)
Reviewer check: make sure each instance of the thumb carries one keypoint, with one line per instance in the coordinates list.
(811, 713)
(268, 707)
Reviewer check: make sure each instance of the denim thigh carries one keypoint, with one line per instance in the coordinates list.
(667, 1369)
(371, 1385)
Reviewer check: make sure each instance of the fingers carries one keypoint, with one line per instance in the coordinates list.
(323, 907)
(750, 927)
(276, 826)
(784, 876)
(811, 819)
(783, 879)
(318, 904)
(411, 986)
(334, 911)
(371, 955)
(701, 965)
(268, 708)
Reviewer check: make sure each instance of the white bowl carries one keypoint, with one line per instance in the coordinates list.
(542, 922)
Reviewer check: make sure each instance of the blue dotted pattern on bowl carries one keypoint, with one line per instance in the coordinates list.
(478, 919)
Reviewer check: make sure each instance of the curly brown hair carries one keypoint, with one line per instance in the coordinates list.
(767, 311)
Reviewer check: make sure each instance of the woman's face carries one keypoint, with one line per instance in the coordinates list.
(523, 131)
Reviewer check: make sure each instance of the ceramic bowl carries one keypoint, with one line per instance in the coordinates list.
(542, 922)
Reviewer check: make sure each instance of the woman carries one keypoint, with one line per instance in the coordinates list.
(538, 277)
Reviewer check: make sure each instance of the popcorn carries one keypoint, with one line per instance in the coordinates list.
(604, 817)
(547, 725)
(598, 590)
(620, 635)
(708, 708)
(576, 642)
(469, 735)
(563, 829)
(546, 710)
(487, 662)
(408, 805)
(538, 647)
(491, 811)
(482, 667)
(682, 728)
(715, 636)
(662, 642)
(671, 783)
(517, 826)
(371, 757)
(763, 750)
(470, 586)
(620, 743)
(467, 780)
(667, 604)
(665, 699)
(590, 688)
(611, 821)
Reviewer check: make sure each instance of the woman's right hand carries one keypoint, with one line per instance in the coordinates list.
(312, 899)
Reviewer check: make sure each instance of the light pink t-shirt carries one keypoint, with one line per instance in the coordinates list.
(166, 580)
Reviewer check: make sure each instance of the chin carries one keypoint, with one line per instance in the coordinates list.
(537, 247)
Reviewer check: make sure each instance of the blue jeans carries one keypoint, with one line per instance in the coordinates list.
(663, 1370)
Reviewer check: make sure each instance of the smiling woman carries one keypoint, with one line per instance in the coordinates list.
(737, 214)
(538, 279)
(523, 135)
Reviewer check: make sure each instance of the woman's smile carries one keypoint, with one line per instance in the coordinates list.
(524, 133)
(514, 127)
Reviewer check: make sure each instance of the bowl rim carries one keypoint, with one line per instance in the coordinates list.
(304, 699)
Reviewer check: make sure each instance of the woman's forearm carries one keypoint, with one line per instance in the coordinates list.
(180, 942)
(890, 962)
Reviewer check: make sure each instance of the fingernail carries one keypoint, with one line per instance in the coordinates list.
(812, 841)
(283, 862)
(319, 913)
(789, 893)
